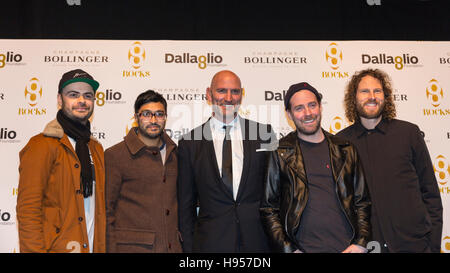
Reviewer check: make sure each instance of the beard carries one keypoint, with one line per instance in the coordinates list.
(143, 130)
(373, 114)
(70, 112)
(301, 128)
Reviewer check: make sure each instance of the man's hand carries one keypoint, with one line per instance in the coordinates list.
(355, 249)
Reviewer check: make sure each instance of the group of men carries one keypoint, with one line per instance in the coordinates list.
(230, 185)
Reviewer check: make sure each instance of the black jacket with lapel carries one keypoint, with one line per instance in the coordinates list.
(222, 224)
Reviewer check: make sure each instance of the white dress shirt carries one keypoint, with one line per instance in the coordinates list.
(237, 149)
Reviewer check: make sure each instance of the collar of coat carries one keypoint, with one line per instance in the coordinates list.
(134, 144)
(54, 129)
(289, 150)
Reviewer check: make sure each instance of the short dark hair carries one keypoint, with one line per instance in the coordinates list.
(149, 96)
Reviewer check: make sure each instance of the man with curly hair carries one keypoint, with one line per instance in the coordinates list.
(406, 203)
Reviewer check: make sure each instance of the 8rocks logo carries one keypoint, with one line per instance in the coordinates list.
(442, 172)
(337, 124)
(435, 95)
(445, 247)
(136, 57)
(131, 123)
(334, 58)
(33, 94)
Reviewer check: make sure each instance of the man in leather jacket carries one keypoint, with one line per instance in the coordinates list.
(315, 195)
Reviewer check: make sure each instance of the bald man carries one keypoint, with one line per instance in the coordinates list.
(221, 171)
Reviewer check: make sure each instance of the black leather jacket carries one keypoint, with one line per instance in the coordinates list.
(286, 191)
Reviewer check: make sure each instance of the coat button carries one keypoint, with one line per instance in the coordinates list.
(57, 230)
(154, 152)
(76, 165)
(78, 192)
(167, 212)
(80, 219)
(84, 245)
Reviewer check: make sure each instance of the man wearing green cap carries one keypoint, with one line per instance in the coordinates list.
(60, 202)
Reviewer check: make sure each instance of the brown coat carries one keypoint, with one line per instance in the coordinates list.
(141, 197)
(50, 204)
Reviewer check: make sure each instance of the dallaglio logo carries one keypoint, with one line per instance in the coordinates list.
(137, 57)
(5, 218)
(399, 61)
(10, 58)
(108, 97)
(202, 61)
(8, 136)
(274, 96)
(176, 134)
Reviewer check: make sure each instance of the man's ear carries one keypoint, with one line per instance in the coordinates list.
(59, 99)
(289, 114)
(209, 95)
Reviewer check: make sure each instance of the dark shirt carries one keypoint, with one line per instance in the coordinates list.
(323, 225)
(406, 203)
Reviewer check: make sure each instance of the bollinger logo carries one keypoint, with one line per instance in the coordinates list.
(136, 55)
(434, 93)
(337, 124)
(333, 56)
